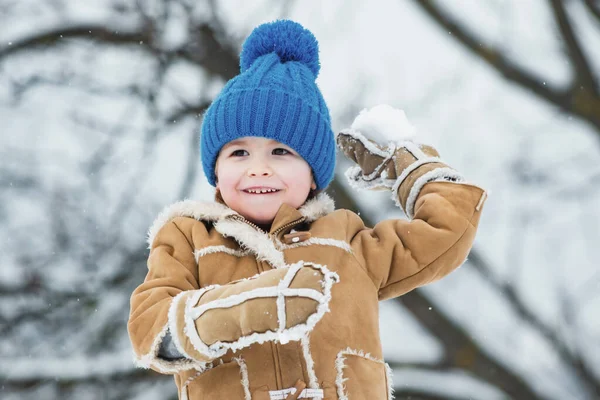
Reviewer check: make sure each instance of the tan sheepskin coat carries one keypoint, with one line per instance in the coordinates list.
(290, 313)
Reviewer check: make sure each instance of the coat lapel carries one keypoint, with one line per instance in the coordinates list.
(259, 242)
(229, 223)
(252, 239)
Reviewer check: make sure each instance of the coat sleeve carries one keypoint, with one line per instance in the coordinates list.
(400, 255)
(171, 270)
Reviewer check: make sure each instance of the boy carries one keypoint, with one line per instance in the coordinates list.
(270, 293)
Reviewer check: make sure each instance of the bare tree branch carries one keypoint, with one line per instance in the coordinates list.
(416, 394)
(87, 372)
(434, 367)
(578, 365)
(594, 7)
(462, 350)
(488, 53)
(57, 36)
(188, 110)
(575, 100)
(582, 71)
(192, 166)
(202, 49)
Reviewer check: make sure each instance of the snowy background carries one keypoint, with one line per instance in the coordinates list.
(100, 105)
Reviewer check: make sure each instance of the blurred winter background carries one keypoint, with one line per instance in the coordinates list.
(100, 107)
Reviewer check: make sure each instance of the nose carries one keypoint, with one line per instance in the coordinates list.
(259, 168)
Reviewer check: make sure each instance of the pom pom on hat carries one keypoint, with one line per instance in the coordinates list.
(288, 39)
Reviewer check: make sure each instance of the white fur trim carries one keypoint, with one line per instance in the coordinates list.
(390, 379)
(280, 291)
(219, 249)
(482, 199)
(317, 207)
(339, 378)
(264, 292)
(436, 174)
(408, 170)
(340, 365)
(369, 145)
(281, 310)
(316, 241)
(174, 329)
(190, 326)
(413, 149)
(310, 364)
(373, 176)
(297, 332)
(282, 287)
(202, 211)
(304, 394)
(244, 376)
(355, 180)
(212, 211)
(151, 359)
(184, 387)
(257, 242)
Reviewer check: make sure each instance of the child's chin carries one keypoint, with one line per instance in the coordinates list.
(262, 211)
(262, 218)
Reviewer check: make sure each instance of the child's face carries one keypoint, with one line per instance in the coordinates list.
(253, 163)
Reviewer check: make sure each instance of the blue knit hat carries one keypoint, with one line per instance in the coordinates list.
(274, 96)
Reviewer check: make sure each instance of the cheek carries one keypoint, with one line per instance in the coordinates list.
(298, 175)
(227, 179)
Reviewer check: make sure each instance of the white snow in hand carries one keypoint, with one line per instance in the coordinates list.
(384, 123)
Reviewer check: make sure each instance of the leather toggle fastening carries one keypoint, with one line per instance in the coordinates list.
(296, 237)
(296, 390)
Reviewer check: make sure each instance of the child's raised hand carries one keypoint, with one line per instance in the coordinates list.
(379, 167)
(402, 166)
(375, 168)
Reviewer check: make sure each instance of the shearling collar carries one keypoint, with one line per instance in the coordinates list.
(312, 210)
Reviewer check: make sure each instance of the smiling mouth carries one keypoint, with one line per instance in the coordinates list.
(261, 191)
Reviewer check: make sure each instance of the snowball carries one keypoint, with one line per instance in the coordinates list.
(383, 124)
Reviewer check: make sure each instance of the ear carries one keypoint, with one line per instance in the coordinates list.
(313, 185)
(216, 178)
(217, 173)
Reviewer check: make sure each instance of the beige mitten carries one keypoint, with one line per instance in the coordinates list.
(279, 305)
(403, 166)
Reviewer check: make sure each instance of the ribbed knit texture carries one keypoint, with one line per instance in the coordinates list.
(275, 97)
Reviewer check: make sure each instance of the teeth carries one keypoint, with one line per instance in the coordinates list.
(261, 190)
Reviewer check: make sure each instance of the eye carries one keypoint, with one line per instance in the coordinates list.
(280, 151)
(239, 153)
